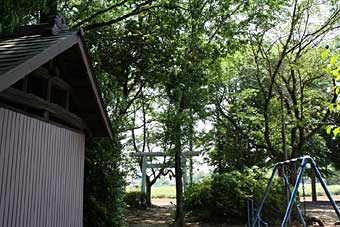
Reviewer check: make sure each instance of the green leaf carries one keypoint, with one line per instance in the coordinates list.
(324, 54)
(338, 106)
(333, 59)
(337, 90)
(336, 131)
(328, 70)
(331, 107)
(335, 72)
(328, 130)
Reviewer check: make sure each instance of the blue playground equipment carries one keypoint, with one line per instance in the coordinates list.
(254, 215)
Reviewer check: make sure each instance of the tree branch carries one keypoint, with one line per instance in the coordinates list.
(98, 13)
(136, 11)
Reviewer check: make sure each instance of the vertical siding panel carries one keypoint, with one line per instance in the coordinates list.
(55, 177)
(48, 188)
(60, 178)
(81, 152)
(45, 155)
(11, 146)
(68, 179)
(31, 174)
(25, 182)
(34, 173)
(6, 170)
(17, 165)
(2, 159)
(75, 179)
(65, 159)
(41, 173)
(73, 184)
(40, 201)
(50, 177)
(3, 164)
(41, 177)
(30, 164)
(20, 176)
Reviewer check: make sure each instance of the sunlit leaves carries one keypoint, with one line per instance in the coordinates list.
(324, 54)
(333, 59)
(336, 131)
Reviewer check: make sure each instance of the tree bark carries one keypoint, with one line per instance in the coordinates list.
(313, 185)
(179, 220)
(148, 192)
(191, 147)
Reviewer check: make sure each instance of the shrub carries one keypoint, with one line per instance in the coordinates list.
(135, 199)
(104, 185)
(223, 197)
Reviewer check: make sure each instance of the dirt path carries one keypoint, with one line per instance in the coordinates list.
(152, 217)
(163, 214)
(161, 217)
(322, 210)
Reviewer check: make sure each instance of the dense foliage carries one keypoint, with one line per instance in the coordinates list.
(134, 199)
(223, 197)
(104, 185)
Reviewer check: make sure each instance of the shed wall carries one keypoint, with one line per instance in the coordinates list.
(41, 173)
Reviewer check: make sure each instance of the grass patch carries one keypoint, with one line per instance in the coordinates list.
(334, 190)
(163, 192)
(170, 191)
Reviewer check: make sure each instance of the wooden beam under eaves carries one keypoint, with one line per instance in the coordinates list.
(19, 97)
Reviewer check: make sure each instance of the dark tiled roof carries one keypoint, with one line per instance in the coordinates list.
(20, 56)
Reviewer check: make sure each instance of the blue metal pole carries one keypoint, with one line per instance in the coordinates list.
(249, 211)
(318, 175)
(297, 207)
(257, 216)
(293, 195)
(301, 216)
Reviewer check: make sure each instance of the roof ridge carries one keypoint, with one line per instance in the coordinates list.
(57, 26)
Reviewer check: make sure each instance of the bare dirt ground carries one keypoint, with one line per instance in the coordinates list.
(162, 214)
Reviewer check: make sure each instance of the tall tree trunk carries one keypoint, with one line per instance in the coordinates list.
(313, 185)
(148, 192)
(191, 147)
(179, 220)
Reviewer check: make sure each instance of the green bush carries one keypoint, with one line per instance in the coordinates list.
(103, 185)
(223, 197)
(135, 199)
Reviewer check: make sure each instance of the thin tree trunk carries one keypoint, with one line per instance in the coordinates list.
(313, 185)
(191, 147)
(179, 220)
(148, 192)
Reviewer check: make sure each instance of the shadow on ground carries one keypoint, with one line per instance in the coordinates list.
(163, 215)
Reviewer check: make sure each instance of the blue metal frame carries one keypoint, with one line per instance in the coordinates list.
(304, 161)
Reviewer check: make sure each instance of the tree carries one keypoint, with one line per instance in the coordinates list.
(271, 69)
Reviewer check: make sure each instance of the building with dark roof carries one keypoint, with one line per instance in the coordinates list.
(50, 105)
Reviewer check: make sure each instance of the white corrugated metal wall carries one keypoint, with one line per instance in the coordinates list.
(41, 173)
